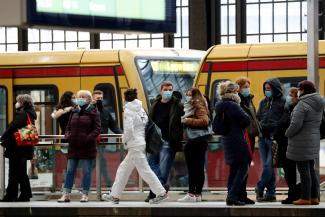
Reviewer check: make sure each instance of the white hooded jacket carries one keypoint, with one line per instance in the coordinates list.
(135, 120)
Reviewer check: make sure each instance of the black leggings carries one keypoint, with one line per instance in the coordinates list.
(309, 180)
(195, 158)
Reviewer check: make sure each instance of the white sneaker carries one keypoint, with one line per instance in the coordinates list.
(198, 198)
(65, 198)
(159, 199)
(108, 197)
(84, 198)
(187, 198)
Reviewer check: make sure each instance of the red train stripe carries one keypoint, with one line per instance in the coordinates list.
(59, 72)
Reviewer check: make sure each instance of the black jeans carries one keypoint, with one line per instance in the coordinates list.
(290, 175)
(237, 176)
(18, 177)
(195, 158)
(309, 180)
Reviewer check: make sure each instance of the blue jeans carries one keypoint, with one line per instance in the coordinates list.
(237, 175)
(268, 176)
(162, 162)
(87, 165)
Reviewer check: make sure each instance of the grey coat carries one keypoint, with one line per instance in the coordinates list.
(303, 132)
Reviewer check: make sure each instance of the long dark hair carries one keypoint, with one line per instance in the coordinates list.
(65, 100)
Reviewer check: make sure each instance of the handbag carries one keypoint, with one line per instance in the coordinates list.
(275, 154)
(27, 135)
(153, 137)
(194, 133)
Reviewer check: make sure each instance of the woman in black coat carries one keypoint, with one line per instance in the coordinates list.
(236, 148)
(18, 156)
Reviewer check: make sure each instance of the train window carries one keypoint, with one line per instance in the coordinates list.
(3, 109)
(154, 71)
(45, 99)
(289, 82)
(109, 101)
(215, 96)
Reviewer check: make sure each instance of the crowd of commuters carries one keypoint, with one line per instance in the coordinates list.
(291, 122)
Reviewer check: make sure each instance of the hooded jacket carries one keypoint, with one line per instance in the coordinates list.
(303, 132)
(8, 139)
(135, 120)
(82, 131)
(271, 108)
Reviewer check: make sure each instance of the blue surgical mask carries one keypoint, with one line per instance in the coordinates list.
(188, 98)
(81, 102)
(268, 93)
(246, 92)
(289, 100)
(167, 95)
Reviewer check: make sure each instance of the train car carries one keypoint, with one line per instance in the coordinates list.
(258, 62)
(47, 75)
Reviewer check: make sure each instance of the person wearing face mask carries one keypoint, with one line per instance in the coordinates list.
(166, 111)
(304, 140)
(289, 166)
(269, 114)
(196, 116)
(236, 148)
(107, 123)
(253, 130)
(18, 155)
(81, 133)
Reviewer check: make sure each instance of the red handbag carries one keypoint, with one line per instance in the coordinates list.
(28, 135)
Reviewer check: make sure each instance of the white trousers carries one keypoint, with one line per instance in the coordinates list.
(136, 158)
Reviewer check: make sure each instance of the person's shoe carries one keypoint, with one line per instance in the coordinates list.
(302, 202)
(230, 202)
(259, 195)
(84, 198)
(247, 201)
(287, 201)
(198, 198)
(65, 198)
(188, 198)
(150, 196)
(108, 197)
(166, 186)
(268, 198)
(23, 199)
(159, 199)
(6, 198)
(314, 201)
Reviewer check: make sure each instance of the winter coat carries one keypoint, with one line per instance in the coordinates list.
(303, 132)
(82, 131)
(200, 117)
(108, 122)
(271, 108)
(254, 128)
(8, 139)
(175, 125)
(235, 145)
(63, 116)
(135, 120)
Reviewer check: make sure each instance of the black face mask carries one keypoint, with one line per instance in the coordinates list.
(99, 104)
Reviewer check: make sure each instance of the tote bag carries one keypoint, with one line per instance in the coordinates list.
(27, 135)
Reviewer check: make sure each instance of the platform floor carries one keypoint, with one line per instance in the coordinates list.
(132, 205)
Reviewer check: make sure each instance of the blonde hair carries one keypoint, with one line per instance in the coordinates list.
(85, 93)
(227, 87)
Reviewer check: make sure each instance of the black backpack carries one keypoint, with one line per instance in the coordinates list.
(220, 125)
(153, 137)
(322, 127)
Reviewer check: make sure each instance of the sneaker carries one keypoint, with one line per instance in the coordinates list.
(65, 198)
(150, 196)
(159, 199)
(198, 198)
(84, 198)
(108, 197)
(187, 198)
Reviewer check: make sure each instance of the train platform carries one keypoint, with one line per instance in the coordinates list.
(132, 204)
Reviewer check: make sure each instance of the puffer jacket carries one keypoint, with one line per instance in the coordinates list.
(271, 108)
(303, 132)
(135, 120)
(82, 131)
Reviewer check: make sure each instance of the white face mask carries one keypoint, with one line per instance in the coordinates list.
(17, 105)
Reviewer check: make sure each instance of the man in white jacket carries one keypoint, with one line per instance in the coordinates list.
(135, 120)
